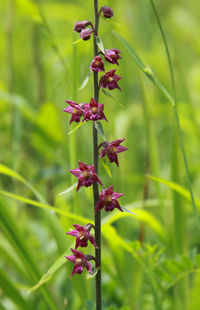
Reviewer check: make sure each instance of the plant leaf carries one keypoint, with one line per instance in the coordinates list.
(174, 186)
(142, 215)
(128, 211)
(69, 189)
(77, 127)
(106, 167)
(51, 271)
(85, 81)
(99, 127)
(46, 207)
(100, 44)
(112, 97)
(90, 276)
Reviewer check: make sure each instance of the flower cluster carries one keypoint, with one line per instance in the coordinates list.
(90, 111)
(94, 111)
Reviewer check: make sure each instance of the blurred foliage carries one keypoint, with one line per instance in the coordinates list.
(150, 261)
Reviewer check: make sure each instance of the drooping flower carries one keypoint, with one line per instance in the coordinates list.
(81, 25)
(110, 80)
(94, 111)
(112, 56)
(108, 199)
(112, 149)
(86, 175)
(75, 109)
(97, 64)
(82, 234)
(86, 34)
(107, 12)
(80, 261)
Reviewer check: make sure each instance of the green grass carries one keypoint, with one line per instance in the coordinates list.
(149, 260)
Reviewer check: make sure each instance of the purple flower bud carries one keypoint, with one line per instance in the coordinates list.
(86, 34)
(97, 64)
(108, 199)
(86, 175)
(93, 111)
(112, 56)
(107, 12)
(80, 261)
(81, 25)
(110, 80)
(75, 109)
(82, 234)
(112, 149)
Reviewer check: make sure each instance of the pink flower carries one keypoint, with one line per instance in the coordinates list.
(110, 80)
(75, 109)
(112, 56)
(93, 111)
(97, 64)
(108, 199)
(80, 261)
(81, 25)
(86, 175)
(107, 12)
(82, 234)
(112, 149)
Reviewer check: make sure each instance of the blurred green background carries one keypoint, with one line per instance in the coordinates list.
(149, 261)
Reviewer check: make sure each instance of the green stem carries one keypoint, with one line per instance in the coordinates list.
(95, 160)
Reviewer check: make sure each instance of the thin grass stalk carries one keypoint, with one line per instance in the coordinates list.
(174, 104)
(181, 289)
(95, 161)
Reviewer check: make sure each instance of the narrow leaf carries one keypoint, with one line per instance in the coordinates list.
(128, 211)
(100, 44)
(112, 97)
(77, 127)
(174, 186)
(51, 271)
(107, 168)
(99, 127)
(46, 207)
(92, 275)
(85, 81)
(69, 189)
(77, 41)
(11, 291)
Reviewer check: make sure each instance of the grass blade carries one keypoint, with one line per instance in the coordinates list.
(11, 291)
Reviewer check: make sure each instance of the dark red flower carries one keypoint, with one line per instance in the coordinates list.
(108, 199)
(86, 34)
(107, 12)
(82, 234)
(97, 64)
(81, 25)
(112, 56)
(112, 149)
(94, 111)
(75, 109)
(86, 175)
(110, 80)
(80, 261)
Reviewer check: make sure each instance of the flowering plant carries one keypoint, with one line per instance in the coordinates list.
(88, 175)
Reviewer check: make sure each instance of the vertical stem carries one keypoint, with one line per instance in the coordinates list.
(95, 160)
